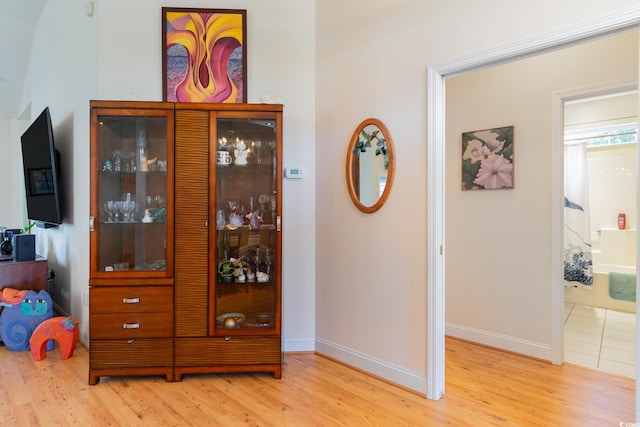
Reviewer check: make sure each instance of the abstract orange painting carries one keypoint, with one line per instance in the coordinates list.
(204, 56)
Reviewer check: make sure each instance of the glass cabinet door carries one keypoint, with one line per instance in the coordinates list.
(132, 197)
(247, 221)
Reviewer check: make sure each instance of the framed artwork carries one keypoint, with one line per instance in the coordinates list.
(487, 159)
(204, 55)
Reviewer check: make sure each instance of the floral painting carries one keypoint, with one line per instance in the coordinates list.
(487, 159)
(204, 55)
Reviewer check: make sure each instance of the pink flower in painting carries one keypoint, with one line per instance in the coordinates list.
(495, 173)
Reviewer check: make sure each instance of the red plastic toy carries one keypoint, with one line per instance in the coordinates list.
(62, 329)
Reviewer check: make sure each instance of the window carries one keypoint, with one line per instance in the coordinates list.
(610, 135)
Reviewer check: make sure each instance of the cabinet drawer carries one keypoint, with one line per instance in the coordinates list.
(131, 325)
(131, 353)
(129, 299)
(233, 351)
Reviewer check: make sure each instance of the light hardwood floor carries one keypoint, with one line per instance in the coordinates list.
(484, 387)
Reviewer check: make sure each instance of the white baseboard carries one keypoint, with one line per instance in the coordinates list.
(504, 342)
(377, 367)
(298, 345)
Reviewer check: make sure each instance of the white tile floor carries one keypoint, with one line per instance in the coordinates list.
(600, 338)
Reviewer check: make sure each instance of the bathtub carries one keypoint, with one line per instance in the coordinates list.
(598, 296)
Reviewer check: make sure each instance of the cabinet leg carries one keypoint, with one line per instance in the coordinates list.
(172, 377)
(93, 379)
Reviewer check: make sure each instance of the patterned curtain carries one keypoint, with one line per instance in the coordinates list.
(578, 268)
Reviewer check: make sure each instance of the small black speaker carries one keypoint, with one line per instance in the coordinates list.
(24, 247)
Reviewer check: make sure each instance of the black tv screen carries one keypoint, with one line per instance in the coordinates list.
(41, 164)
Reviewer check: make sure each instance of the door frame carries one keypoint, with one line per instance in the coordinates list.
(436, 76)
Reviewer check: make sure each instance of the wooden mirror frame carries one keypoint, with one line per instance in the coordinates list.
(353, 166)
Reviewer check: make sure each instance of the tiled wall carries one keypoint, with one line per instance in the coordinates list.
(612, 189)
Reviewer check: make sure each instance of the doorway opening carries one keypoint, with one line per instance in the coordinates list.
(436, 76)
(600, 170)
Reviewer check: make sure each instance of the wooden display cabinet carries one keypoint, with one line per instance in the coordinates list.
(161, 300)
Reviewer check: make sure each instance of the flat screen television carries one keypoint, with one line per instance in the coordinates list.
(41, 165)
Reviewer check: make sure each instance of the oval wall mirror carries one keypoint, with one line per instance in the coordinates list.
(370, 165)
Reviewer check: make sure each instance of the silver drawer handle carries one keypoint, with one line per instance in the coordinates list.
(130, 300)
(131, 325)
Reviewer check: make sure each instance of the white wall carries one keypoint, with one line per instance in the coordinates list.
(12, 201)
(6, 177)
(371, 269)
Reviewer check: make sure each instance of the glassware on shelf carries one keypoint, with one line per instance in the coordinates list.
(141, 147)
(263, 200)
(268, 259)
(126, 205)
(116, 160)
(220, 222)
(256, 258)
(249, 273)
(225, 246)
(121, 211)
(110, 208)
(130, 207)
(129, 162)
